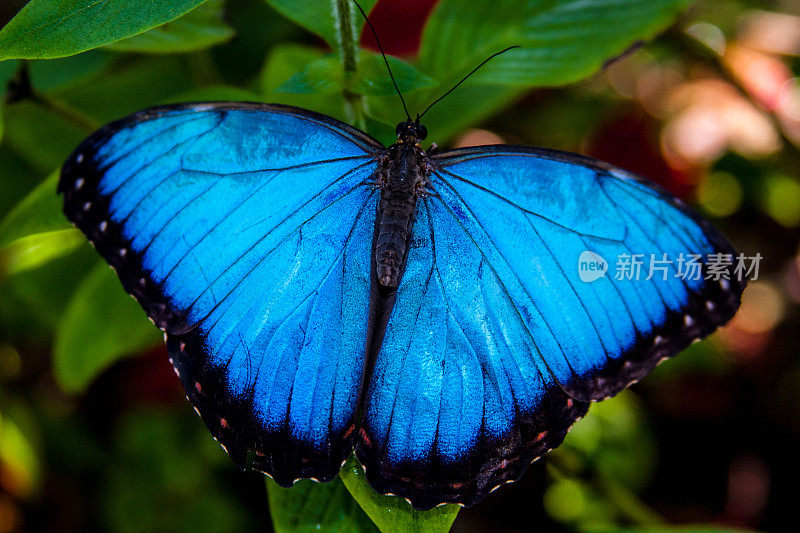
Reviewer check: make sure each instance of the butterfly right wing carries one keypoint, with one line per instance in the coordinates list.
(244, 231)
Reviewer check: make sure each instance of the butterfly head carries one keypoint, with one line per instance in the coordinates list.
(411, 131)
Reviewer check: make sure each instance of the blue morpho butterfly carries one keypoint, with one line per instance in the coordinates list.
(321, 293)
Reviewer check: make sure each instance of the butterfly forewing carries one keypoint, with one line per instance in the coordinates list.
(244, 232)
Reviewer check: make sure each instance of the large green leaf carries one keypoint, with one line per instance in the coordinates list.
(561, 41)
(310, 506)
(319, 16)
(101, 325)
(200, 28)
(390, 513)
(46, 29)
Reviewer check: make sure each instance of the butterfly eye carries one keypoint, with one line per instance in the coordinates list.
(422, 132)
(400, 127)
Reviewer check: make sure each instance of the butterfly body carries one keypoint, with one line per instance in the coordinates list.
(402, 178)
(322, 294)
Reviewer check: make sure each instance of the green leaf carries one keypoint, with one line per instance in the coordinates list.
(390, 513)
(325, 75)
(35, 250)
(311, 506)
(283, 62)
(372, 79)
(198, 29)
(317, 15)
(561, 41)
(100, 325)
(318, 77)
(286, 60)
(35, 231)
(38, 212)
(45, 29)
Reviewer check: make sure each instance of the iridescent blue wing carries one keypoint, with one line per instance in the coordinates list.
(244, 231)
(495, 346)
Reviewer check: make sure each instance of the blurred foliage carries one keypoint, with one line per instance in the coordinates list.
(91, 438)
(86, 342)
(154, 449)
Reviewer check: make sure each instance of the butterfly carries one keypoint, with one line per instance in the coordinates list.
(322, 294)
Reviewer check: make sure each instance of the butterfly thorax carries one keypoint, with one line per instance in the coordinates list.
(402, 178)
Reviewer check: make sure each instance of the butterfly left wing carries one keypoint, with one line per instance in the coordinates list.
(243, 230)
(495, 346)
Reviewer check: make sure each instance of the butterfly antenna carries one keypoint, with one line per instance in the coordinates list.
(375, 34)
(473, 71)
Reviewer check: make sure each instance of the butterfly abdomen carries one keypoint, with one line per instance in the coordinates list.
(395, 222)
(402, 176)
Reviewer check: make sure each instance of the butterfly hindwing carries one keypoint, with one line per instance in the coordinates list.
(495, 345)
(456, 405)
(244, 232)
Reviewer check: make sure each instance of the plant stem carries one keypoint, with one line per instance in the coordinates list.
(347, 36)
